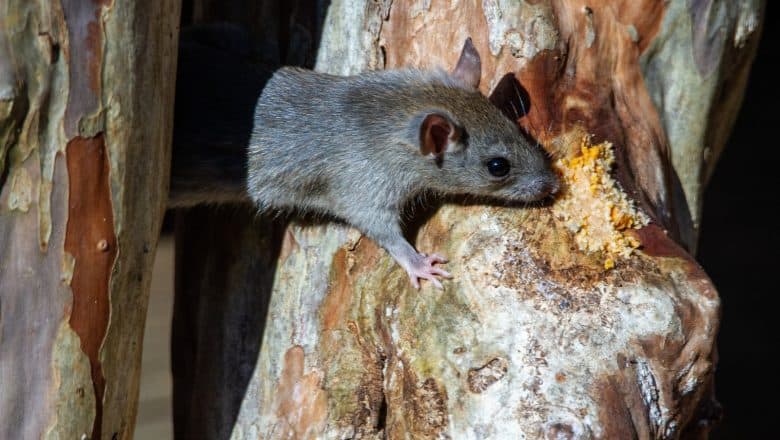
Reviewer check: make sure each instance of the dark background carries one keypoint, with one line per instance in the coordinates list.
(739, 249)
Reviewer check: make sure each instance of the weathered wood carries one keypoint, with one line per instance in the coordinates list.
(533, 337)
(85, 122)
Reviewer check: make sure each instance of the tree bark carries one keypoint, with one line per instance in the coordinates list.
(86, 99)
(534, 337)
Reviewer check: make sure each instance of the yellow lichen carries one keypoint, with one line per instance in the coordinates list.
(594, 207)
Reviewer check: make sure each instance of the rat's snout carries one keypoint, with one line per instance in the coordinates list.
(545, 186)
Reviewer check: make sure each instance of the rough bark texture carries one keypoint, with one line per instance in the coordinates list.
(533, 338)
(86, 98)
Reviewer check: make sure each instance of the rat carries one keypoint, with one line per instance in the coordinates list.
(360, 148)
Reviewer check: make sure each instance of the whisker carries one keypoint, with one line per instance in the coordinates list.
(514, 110)
(520, 98)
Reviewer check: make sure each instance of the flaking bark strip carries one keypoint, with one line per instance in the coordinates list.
(91, 240)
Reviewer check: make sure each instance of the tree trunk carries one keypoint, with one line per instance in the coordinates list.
(86, 103)
(546, 330)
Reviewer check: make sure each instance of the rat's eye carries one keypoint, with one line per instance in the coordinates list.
(498, 166)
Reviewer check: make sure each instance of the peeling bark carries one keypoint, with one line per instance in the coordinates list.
(533, 337)
(85, 121)
(91, 243)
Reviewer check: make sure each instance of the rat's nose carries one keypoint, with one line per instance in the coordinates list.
(547, 186)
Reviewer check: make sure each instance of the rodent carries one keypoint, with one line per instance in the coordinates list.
(357, 147)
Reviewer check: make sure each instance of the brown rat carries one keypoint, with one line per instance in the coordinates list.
(361, 147)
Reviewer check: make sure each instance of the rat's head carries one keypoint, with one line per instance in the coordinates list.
(486, 157)
(474, 148)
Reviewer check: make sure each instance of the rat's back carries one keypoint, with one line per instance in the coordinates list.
(318, 138)
(336, 134)
(293, 149)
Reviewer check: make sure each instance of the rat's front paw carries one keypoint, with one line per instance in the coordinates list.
(423, 267)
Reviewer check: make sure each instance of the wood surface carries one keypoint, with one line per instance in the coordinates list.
(86, 100)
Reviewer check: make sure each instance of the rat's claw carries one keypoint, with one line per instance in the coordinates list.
(436, 271)
(425, 268)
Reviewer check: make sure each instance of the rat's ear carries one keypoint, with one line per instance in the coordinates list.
(469, 67)
(438, 135)
(510, 97)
